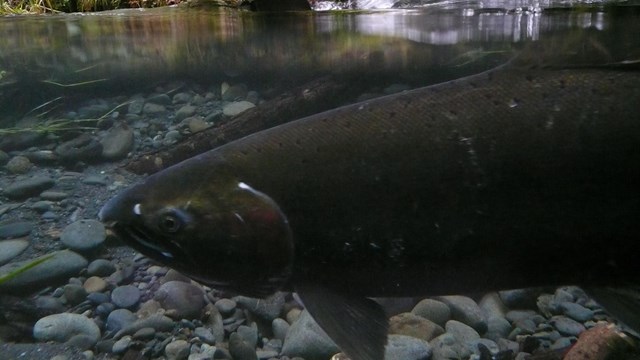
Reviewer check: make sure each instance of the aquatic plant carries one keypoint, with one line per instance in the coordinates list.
(12, 274)
(59, 125)
(15, 7)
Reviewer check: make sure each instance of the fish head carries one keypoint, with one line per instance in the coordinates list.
(215, 229)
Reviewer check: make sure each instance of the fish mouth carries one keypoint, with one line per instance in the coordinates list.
(146, 243)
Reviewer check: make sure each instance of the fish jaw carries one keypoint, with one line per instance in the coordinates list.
(229, 236)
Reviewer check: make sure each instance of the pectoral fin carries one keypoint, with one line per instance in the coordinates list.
(357, 325)
(622, 303)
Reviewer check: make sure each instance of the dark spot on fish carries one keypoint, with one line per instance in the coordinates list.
(244, 152)
(545, 95)
(392, 114)
(280, 145)
(318, 149)
(324, 120)
(347, 124)
(298, 142)
(529, 77)
(496, 102)
(473, 84)
(563, 84)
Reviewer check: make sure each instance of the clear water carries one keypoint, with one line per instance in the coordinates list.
(85, 55)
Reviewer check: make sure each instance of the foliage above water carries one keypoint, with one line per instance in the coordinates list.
(17, 7)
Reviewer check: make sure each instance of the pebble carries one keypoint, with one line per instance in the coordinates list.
(95, 284)
(266, 309)
(181, 98)
(178, 350)
(119, 319)
(18, 165)
(22, 189)
(307, 340)
(465, 310)
(239, 348)
(413, 325)
(53, 195)
(205, 335)
(400, 347)
(121, 345)
(100, 267)
(96, 180)
(126, 296)
(49, 305)
(235, 93)
(9, 249)
(98, 298)
(235, 108)
(15, 229)
(462, 332)
(83, 235)
(492, 305)
(75, 294)
(83, 148)
(226, 306)
(162, 99)
(567, 326)
(62, 327)
(117, 142)
(599, 342)
(280, 327)
(433, 310)
(184, 112)
(82, 341)
(153, 109)
(196, 124)
(181, 300)
(59, 266)
(146, 333)
(576, 311)
(157, 321)
(249, 334)
(520, 298)
(135, 107)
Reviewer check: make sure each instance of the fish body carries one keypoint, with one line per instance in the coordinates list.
(507, 179)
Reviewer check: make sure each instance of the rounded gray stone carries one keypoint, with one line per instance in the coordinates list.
(307, 340)
(83, 235)
(400, 347)
(15, 229)
(280, 328)
(119, 319)
(23, 189)
(235, 108)
(249, 335)
(18, 165)
(64, 326)
(266, 309)
(121, 345)
(226, 306)
(205, 335)
(576, 311)
(463, 333)
(126, 296)
(100, 267)
(433, 310)
(74, 294)
(184, 112)
(181, 300)
(177, 350)
(117, 143)
(465, 310)
(239, 348)
(9, 249)
(54, 268)
(567, 326)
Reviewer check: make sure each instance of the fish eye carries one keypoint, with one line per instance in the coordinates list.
(170, 223)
